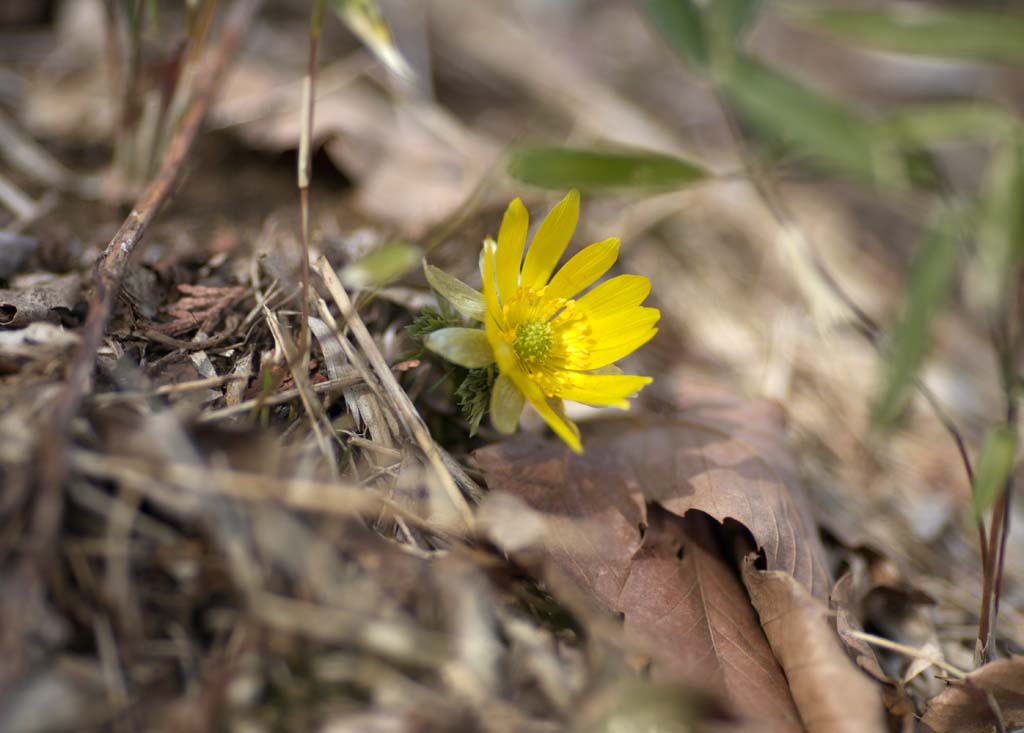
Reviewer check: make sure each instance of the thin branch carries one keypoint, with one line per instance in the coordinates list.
(109, 273)
(907, 651)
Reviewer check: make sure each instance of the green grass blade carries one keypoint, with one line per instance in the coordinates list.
(1000, 250)
(931, 280)
(929, 31)
(812, 123)
(994, 466)
(681, 24)
(590, 169)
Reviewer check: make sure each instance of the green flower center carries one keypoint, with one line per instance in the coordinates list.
(533, 341)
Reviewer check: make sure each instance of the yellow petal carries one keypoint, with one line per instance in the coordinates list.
(506, 404)
(583, 270)
(611, 296)
(468, 347)
(614, 327)
(607, 353)
(511, 243)
(550, 241)
(603, 389)
(564, 427)
(489, 284)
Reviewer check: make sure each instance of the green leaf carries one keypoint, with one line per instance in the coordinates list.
(810, 122)
(930, 31)
(463, 298)
(590, 169)
(474, 396)
(939, 122)
(680, 23)
(1000, 250)
(730, 19)
(994, 467)
(382, 265)
(931, 280)
(467, 347)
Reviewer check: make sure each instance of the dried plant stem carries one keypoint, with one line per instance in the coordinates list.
(332, 385)
(305, 166)
(1005, 341)
(296, 364)
(152, 479)
(110, 271)
(447, 471)
(907, 651)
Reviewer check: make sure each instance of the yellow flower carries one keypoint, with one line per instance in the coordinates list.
(550, 339)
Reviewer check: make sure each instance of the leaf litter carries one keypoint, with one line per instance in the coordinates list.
(248, 542)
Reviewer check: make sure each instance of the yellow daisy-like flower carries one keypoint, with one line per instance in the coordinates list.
(550, 339)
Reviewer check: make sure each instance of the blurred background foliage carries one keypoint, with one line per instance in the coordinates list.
(973, 235)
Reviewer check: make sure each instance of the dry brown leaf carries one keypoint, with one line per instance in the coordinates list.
(718, 455)
(964, 707)
(53, 301)
(847, 620)
(200, 306)
(684, 600)
(729, 460)
(830, 692)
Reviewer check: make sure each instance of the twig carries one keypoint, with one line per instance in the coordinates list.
(277, 399)
(907, 651)
(305, 165)
(110, 271)
(166, 389)
(147, 476)
(318, 419)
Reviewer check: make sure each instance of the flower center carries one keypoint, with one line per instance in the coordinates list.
(533, 341)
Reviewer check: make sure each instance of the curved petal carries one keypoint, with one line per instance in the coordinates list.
(489, 284)
(506, 404)
(550, 241)
(511, 243)
(603, 389)
(608, 353)
(583, 270)
(468, 347)
(612, 328)
(564, 427)
(616, 294)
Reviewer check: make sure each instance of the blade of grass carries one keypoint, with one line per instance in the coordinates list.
(593, 169)
(930, 283)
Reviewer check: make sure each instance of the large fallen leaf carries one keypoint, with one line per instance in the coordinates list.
(684, 600)
(718, 456)
(721, 456)
(964, 707)
(831, 694)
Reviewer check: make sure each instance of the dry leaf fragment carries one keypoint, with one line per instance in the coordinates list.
(842, 604)
(718, 455)
(684, 600)
(53, 301)
(830, 692)
(964, 707)
(729, 460)
(201, 307)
